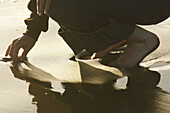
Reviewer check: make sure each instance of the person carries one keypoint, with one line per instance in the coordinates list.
(96, 26)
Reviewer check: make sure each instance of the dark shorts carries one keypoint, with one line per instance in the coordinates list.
(99, 39)
(97, 24)
(132, 11)
(102, 38)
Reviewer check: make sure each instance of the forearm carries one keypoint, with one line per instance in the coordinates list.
(35, 23)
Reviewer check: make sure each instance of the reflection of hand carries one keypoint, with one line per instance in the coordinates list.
(25, 42)
(43, 6)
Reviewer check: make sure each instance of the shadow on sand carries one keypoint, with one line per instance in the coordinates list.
(89, 98)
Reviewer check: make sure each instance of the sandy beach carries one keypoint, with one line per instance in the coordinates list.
(49, 61)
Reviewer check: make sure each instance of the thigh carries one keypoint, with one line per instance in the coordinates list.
(131, 11)
(113, 8)
(66, 13)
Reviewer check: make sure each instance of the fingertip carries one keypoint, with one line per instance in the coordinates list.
(39, 13)
(46, 11)
(6, 54)
(8, 50)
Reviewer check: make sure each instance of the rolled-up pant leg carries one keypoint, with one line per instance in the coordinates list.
(104, 37)
(94, 32)
(72, 19)
(71, 41)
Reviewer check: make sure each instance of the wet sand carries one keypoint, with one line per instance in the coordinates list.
(36, 87)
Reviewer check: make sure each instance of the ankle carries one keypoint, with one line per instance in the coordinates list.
(150, 41)
(154, 40)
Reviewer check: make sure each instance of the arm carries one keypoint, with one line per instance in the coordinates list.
(35, 24)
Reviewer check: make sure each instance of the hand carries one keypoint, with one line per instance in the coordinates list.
(43, 6)
(24, 42)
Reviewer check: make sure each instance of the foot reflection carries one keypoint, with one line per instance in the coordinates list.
(102, 101)
(86, 98)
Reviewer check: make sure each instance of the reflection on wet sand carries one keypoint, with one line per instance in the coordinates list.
(90, 98)
(103, 101)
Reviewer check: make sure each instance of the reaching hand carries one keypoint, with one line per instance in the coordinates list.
(24, 42)
(43, 6)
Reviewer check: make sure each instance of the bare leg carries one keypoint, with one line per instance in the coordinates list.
(139, 45)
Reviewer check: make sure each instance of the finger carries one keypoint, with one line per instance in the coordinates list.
(8, 50)
(11, 51)
(15, 52)
(12, 48)
(47, 6)
(24, 54)
(40, 6)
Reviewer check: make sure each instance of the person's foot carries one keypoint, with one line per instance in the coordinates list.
(142, 78)
(139, 45)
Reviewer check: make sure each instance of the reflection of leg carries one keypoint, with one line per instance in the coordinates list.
(143, 78)
(139, 45)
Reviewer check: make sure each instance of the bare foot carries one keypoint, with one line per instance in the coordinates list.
(139, 45)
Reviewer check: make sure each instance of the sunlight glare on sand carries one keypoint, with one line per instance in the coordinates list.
(9, 1)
